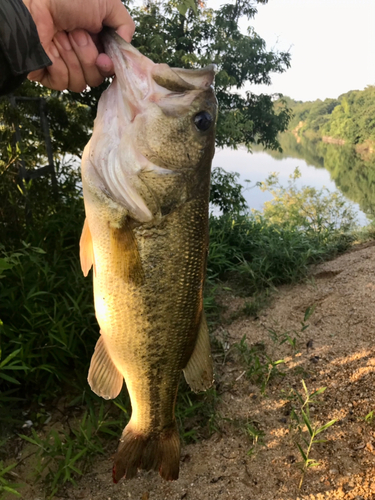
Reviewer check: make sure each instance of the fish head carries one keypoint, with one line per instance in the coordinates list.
(152, 119)
(173, 111)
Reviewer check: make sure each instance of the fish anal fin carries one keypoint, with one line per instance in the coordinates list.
(159, 451)
(104, 378)
(125, 254)
(86, 250)
(199, 369)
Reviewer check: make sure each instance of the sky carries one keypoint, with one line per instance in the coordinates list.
(332, 44)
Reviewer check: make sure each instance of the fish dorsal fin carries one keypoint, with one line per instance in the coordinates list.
(199, 370)
(86, 250)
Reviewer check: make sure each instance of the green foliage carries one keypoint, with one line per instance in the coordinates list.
(196, 413)
(369, 418)
(307, 429)
(260, 368)
(66, 454)
(226, 192)
(6, 486)
(48, 326)
(349, 117)
(313, 114)
(254, 253)
(316, 211)
(183, 34)
(353, 173)
(255, 434)
(291, 337)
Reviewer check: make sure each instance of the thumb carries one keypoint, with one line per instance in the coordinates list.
(118, 17)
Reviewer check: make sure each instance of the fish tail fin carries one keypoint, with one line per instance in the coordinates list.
(158, 451)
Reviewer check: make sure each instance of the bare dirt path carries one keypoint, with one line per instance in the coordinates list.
(337, 351)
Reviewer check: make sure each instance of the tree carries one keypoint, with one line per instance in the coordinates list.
(166, 32)
(180, 33)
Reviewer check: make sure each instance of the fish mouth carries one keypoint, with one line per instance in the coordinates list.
(141, 79)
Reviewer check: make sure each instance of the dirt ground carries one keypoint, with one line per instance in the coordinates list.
(336, 351)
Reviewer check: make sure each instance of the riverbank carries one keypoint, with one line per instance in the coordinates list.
(349, 119)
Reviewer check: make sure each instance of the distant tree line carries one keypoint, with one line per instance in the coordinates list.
(350, 117)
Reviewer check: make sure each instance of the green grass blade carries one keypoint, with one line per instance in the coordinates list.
(324, 427)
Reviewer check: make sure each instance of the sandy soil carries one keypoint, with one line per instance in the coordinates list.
(336, 351)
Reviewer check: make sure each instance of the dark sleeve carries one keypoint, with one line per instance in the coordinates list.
(20, 48)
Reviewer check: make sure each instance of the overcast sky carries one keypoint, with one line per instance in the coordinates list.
(332, 43)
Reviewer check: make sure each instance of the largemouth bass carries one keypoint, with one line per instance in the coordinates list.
(146, 178)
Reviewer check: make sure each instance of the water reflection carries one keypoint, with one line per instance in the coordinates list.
(334, 167)
(353, 174)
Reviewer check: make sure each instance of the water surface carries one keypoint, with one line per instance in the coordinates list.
(338, 168)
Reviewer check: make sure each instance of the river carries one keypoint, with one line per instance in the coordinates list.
(338, 168)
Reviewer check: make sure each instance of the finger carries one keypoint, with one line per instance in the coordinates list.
(56, 76)
(77, 82)
(118, 17)
(87, 53)
(105, 65)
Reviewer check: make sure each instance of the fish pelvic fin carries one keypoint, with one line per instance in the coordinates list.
(157, 451)
(199, 369)
(104, 378)
(86, 250)
(125, 254)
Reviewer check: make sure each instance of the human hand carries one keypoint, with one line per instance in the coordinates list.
(68, 33)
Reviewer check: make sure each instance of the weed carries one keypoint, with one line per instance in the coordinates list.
(196, 413)
(6, 486)
(291, 337)
(255, 434)
(259, 366)
(65, 455)
(369, 418)
(302, 419)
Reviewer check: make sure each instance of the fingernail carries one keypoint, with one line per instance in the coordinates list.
(64, 42)
(80, 38)
(54, 51)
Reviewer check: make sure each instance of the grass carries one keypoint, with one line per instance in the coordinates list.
(6, 485)
(291, 337)
(307, 428)
(65, 454)
(260, 368)
(256, 436)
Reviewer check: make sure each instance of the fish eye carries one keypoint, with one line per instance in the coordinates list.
(203, 120)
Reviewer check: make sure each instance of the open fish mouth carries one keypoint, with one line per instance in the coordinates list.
(140, 79)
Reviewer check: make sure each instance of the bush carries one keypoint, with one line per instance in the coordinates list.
(263, 249)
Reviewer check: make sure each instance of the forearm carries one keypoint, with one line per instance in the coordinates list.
(20, 48)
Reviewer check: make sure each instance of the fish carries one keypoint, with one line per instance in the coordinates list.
(146, 180)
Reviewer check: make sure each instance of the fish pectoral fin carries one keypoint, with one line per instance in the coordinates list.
(199, 370)
(86, 250)
(104, 378)
(126, 260)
